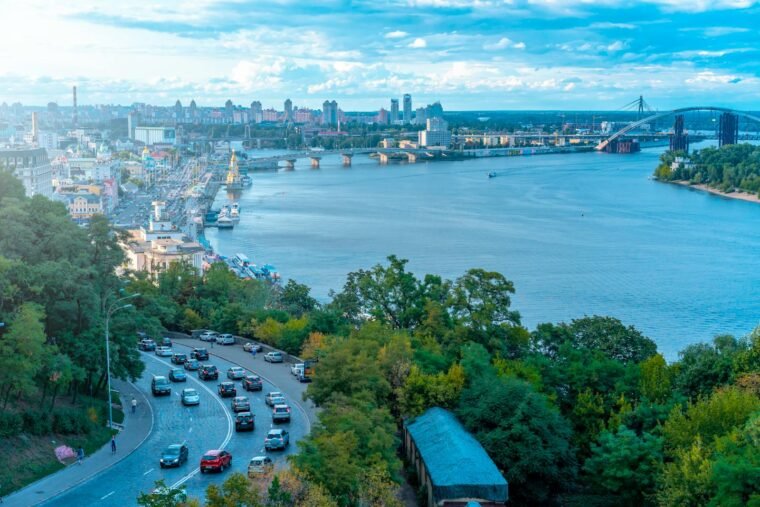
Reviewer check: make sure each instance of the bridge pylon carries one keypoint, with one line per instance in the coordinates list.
(315, 162)
(290, 164)
(347, 159)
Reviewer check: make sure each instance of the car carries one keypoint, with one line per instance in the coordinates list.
(241, 404)
(166, 341)
(281, 413)
(215, 460)
(190, 397)
(227, 389)
(260, 465)
(160, 385)
(235, 373)
(251, 347)
(163, 351)
(277, 438)
(273, 357)
(208, 336)
(296, 369)
(208, 372)
(192, 364)
(225, 339)
(253, 383)
(147, 345)
(179, 358)
(244, 421)
(177, 375)
(196, 333)
(173, 456)
(200, 354)
(303, 378)
(272, 396)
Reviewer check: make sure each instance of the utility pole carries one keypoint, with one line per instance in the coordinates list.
(111, 310)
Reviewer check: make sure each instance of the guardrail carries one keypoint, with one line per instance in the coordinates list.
(239, 340)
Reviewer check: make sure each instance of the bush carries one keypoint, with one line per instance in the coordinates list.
(37, 422)
(71, 422)
(10, 424)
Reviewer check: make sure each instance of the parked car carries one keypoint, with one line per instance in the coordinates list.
(208, 372)
(196, 333)
(179, 358)
(199, 353)
(208, 336)
(166, 341)
(277, 438)
(244, 421)
(281, 413)
(190, 397)
(160, 385)
(226, 389)
(303, 378)
(192, 364)
(253, 383)
(296, 369)
(251, 346)
(163, 351)
(271, 397)
(215, 460)
(260, 465)
(241, 404)
(273, 357)
(173, 456)
(146, 345)
(235, 373)
(225, 339)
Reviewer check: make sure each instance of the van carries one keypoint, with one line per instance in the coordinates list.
(160, 385)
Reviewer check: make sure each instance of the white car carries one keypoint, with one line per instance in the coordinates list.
(208, 336)
(235, 373)
(296, 369)
(274, 398)
(163, 351)
(225, 339)
(260, 465)
(273, 357)
(250, 347)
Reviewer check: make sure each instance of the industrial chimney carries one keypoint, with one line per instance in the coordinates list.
(74, 113)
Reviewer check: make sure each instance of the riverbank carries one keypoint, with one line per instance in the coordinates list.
(738, 194)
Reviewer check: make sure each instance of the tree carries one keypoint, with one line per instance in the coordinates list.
(236, 491)
(294, 298)
(655, 382)
(422, 391)
(22, 350)
(10, 186)
(625, 465)
(703, 367)
(686, 480)
(163, 496)
(378, 490)
(609, 336)
(736, 467)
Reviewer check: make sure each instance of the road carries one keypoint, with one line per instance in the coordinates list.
(207, 426)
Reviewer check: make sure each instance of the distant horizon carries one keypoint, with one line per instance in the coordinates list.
(469, 54)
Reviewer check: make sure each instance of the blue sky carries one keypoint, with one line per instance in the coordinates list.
(471, 55)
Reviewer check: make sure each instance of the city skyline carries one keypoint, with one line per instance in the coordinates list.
(470, 55)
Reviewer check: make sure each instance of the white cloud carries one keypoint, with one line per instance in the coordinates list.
(418, 43)
(717, 31)
(503, 43)
(396, 34)
(616, 46)
(519, 45)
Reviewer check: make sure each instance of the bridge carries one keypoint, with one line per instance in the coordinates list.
(632, 126)
(384, 154)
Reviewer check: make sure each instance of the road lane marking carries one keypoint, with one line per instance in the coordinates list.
(224, 409)
(106, 496)
(149, 471)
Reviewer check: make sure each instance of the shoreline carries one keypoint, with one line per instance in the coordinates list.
(737, 194)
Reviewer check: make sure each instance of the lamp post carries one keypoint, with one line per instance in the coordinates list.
(111, 310)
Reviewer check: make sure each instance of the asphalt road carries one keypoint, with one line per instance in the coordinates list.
(207, 426)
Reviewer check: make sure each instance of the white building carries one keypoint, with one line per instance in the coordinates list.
(436, 133)
(32, 167)
(155, 135)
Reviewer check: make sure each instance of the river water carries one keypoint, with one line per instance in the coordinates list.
(579, 234)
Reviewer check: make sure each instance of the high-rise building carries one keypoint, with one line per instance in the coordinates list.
(193, 110)
(420, 116)
(407, 108)
(179, 113)
(382, 117)
(74, 113)
(435, 110)
(329, 113)
(131, 124)
(32, 167)
(394, 110)
(228, 107)
(436, 133)
(288, 110)
(257, 115)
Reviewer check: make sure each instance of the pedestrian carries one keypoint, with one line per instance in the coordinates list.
(253, 351)
(113, 444)
(212, 343)
(134, 404)
(80, 455)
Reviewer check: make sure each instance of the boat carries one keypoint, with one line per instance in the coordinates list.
(241, 260)
(235, 211)
(492, 174)
(246, 180)
(224, 222)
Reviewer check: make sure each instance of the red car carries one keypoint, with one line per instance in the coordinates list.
(215, 460)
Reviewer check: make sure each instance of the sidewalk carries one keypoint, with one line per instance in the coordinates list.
(136, 429)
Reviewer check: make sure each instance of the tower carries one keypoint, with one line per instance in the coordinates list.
(233, 174)
(728, 129)
(35, 129)
(407, 108)
(74, 115)
(288, 110)
(394, 110)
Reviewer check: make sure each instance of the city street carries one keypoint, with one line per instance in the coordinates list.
(207, 426)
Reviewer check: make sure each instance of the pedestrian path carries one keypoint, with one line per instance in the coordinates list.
(135, 430)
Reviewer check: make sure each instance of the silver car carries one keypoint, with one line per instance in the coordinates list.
(273, 357)
(225, 339)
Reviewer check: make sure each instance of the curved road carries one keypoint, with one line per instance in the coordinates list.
(207, 426)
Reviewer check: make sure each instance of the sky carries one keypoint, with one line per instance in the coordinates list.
(469, 54)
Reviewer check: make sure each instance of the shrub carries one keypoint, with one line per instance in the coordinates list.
(71, 422)
(37, 422)
(10, 424)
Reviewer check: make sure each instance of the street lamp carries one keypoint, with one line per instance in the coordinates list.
(111, 310)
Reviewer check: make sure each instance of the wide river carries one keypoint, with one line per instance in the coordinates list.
(579, 234)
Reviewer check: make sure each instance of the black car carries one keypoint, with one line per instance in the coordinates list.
(244, 421)
(160, 385)
(227, 389)
(201, 354)
(179, 358)
(147, 345)
(253, 383)
(173, 456)
(208, 372)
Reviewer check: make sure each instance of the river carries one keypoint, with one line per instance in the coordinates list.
(578, 234)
